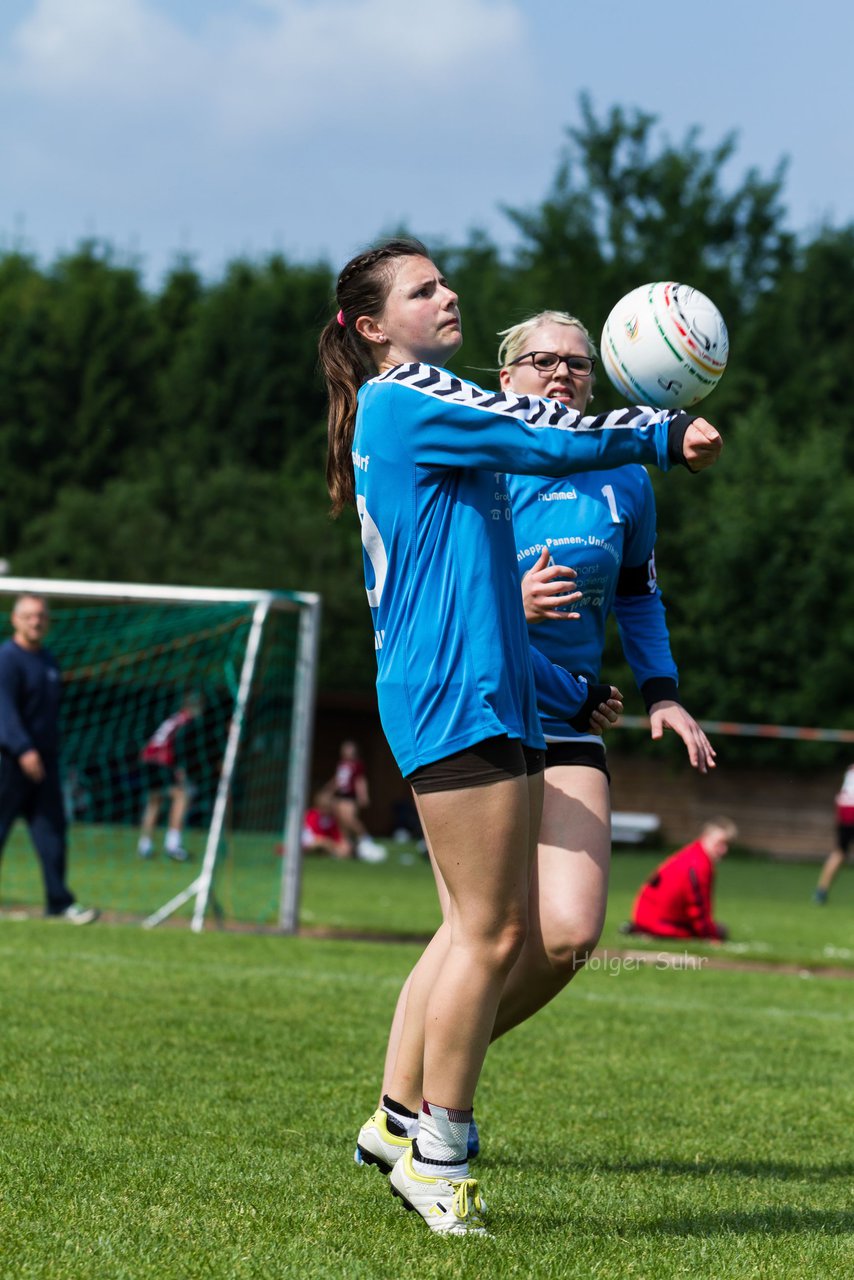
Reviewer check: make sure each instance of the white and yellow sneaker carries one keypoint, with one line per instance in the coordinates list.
(376, 1145)
(451, 1207)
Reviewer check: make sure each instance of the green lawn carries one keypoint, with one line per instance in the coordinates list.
(185, 1106)
(767, 905)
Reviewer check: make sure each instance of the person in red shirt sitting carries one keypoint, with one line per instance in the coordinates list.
(320, 830)
(676, 901)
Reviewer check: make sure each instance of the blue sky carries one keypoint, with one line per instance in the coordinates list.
(219, 128)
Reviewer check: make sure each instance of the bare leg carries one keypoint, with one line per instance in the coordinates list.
(404, 1070)
(402, 1076)
(347, 817)
(178, 807)
(832, 863)
(404, 1066)
(568, 892)
(394, 1041)
(479, 837)
(150, 814)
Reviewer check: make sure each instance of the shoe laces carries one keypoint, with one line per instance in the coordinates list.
(468, 1205)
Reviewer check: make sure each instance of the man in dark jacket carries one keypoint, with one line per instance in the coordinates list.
(30, 786)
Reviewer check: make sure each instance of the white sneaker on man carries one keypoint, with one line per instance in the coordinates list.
(75, 914)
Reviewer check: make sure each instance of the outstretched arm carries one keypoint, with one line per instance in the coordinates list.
(446, 421)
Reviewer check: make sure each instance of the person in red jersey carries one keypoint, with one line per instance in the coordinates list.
(676, 901)
(320, 830)
(164, 765)
(349, 797)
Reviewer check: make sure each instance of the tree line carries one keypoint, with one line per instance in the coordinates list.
(178, 435)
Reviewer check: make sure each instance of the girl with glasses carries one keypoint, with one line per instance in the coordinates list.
(604, 526)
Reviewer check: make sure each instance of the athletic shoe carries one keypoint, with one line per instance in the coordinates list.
(145, 853)
(377, 1145)
(451, 1207)
(820, 897)
(368, 850)
(75, 914)
(177, 855)
(473, 1141)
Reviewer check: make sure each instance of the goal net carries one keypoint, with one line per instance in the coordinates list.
(201, 699)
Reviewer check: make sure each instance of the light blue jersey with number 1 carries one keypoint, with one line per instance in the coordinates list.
(430, 452)
(602, 525)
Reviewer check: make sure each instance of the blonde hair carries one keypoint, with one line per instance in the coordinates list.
(725, 825)
(514, 341)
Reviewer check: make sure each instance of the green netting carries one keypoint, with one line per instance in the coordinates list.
(126, 668)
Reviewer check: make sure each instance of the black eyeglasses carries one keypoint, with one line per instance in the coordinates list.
(547, 361)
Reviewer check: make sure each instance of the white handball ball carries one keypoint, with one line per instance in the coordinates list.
(665, 345)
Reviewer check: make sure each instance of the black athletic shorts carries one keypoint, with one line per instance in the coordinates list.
(845, 837)
(157, 777)
(493, 760)
(591, 754)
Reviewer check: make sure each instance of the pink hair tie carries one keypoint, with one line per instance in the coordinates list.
(340, 319)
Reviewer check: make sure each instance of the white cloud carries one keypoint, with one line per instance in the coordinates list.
(236, 126)
(279, 68)
(112, 53)
(369, 64)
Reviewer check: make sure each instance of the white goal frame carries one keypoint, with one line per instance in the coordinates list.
(308, 605)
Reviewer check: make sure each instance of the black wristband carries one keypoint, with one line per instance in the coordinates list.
(596, 693)
(676, 428)
(659, 689)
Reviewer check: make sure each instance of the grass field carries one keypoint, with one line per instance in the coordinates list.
(185, 1106)
(767, 905)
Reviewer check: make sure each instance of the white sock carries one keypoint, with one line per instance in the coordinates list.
(441, 1147)
(144, 845)
(173, 839)
(401, 1115)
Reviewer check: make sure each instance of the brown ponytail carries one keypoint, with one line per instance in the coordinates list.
(346, 359)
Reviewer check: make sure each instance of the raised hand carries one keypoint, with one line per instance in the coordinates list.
(547, 590)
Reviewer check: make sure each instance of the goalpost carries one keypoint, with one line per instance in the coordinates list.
(131, 657)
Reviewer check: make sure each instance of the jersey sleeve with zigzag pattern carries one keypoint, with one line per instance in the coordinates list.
(460, 425)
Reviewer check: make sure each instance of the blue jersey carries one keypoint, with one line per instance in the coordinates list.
(603, 526)
(430, 452)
